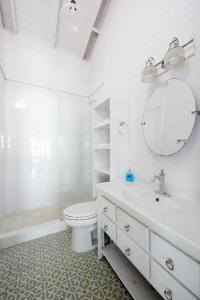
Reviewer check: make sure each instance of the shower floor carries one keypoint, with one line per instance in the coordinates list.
(14, 222)
(24, 220)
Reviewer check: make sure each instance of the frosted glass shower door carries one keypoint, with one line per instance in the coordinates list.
(47, 154)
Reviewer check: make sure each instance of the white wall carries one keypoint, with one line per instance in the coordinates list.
(2, 145)
(31, 60)
(132, 31)
(1, 43)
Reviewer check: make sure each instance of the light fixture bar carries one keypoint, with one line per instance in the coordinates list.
(188, 43)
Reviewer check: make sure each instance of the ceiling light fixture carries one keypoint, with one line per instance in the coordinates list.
(149, 72)
(71, 6)
(175, 55)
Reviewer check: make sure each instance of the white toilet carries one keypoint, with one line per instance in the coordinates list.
(82, 218)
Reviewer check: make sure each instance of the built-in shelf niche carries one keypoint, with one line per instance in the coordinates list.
(102, 137)
(102, 158)
(102, 112)
(100, 177)
(101, 141)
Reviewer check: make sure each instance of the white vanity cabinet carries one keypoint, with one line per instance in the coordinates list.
(172, 273)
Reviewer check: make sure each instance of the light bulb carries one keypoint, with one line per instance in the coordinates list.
(149, 73)
(175, 55)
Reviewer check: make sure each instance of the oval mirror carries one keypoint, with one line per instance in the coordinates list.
(169, 117)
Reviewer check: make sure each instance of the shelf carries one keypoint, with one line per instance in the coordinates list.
(104, 105)
(103, 125)
(104, 147)
(135, 283)
(103, 170)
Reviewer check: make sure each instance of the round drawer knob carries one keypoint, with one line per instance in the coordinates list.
(127, 228)
(105, 227)
(128, 251)
(168, 294)
(170, 264)
(105, 209)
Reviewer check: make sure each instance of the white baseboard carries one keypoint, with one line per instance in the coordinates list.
(15, 237)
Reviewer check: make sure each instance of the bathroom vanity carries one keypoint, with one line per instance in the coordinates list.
(155, 240)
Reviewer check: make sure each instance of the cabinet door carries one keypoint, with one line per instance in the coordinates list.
(166, 285)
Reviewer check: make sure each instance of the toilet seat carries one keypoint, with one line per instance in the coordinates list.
(81, 211)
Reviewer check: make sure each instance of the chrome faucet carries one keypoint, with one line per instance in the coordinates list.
(161, 179)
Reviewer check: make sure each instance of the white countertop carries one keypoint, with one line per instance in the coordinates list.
(181, 228)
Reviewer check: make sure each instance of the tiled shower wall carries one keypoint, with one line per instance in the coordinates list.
(46, 150)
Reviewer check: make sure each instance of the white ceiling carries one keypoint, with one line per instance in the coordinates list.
(47, 20)
(6, 13)
(74, 28)
(33, 17)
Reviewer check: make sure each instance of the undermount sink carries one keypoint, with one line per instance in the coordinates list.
(152, 202)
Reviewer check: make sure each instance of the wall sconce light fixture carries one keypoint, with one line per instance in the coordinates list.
(174, 57)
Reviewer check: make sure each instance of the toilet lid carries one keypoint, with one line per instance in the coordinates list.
(83, 210)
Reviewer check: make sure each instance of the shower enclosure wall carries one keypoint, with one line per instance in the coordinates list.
(45, 154)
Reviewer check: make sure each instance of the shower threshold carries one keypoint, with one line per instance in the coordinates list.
(25, 226)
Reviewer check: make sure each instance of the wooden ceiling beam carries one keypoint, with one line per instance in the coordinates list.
(14, 16)
(55, 22)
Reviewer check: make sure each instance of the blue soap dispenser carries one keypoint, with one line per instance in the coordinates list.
(130, 177)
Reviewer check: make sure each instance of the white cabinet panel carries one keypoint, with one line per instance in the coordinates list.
(134, 229)
(166, 285)
(136, 255)
(181, 266)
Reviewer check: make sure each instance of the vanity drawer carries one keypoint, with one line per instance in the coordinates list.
(108, 208)
(181, 266)
(133, 252)
(166, 285)
(134, 229)
(109, 227)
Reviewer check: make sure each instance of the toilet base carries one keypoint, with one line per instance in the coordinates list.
(84, 238)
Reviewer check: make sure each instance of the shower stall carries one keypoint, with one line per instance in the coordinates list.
(45, 154)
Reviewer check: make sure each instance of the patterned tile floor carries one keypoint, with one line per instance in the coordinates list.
(47, 269)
